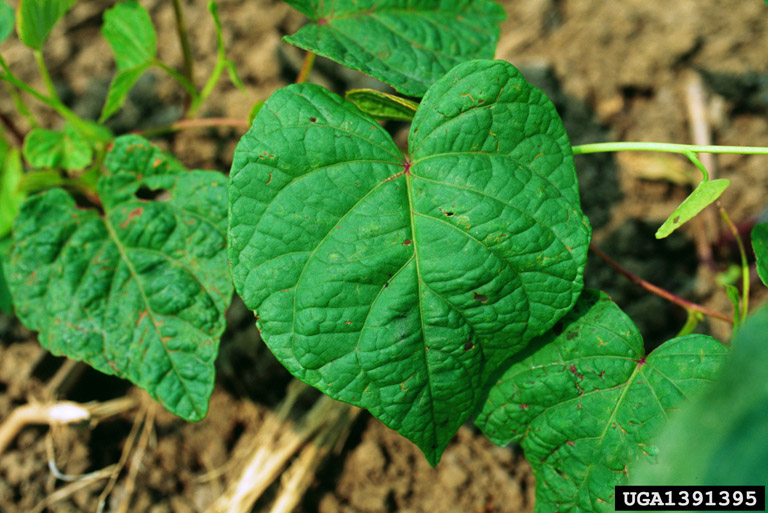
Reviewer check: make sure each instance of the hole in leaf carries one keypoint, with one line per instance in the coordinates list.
(313, 119)
(469, 345)
(480, 297)
(147, 194)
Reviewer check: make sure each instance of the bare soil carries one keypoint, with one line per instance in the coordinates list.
(616, 71)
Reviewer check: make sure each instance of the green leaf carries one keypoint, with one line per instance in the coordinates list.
(585, 402)
(6, 301)
(139, 292)
(702, 196)
(407, 44)
(129, 30)
(382, 105)
(119, 88)
(36, 18)
(11, 196)
(254, 111)
(213, 8)
(720, 438)
(66, 149)
(399, 284)
(6, 20)
(760, 246)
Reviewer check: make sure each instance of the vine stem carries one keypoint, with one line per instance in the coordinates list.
(582, 149)
(689, 150)
(44, 73)
(744, 262)
(655, 289)
(306, 67)
(186, 49)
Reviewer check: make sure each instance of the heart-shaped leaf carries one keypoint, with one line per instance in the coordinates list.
(584, 401)
(408, 45)
(140, 292)
(399, 284)
(720, 438)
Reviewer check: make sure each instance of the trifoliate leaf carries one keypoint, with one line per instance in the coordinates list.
(702, 196)
(408, 45)
(400, 283)
(139, 292)
(35, 19)
(585, 402)
(67, 149)
(720, 438)
(382, 105)
(760, 246)
(129, 30)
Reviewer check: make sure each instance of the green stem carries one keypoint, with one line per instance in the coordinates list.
(689, 150)
(44, 73)
(209, 85)
(52, 102)
(582, 149)
(186, 49)
(744, 262)
(181, 79)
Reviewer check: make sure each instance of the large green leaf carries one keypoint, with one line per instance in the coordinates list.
(50, 148)
(720, 439)
(6, 20)
(760, 246)
(399, 284)
(584, 401)
(129, 30)
(408, 44)
(36, 18)
(139, 292)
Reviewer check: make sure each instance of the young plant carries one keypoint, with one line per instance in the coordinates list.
(427, 286)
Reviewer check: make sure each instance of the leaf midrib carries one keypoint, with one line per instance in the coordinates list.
(150, 312)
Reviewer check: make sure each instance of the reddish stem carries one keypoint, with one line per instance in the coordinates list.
(655, 289)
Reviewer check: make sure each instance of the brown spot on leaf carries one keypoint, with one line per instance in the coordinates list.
(313, 119)
(136, 212)
(407, 242)
(480, 297)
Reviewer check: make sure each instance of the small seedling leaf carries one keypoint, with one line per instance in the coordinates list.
(380, 105)
(760, 246)
(139, 292)
(129, 30)
(11, 196)
(6, 20)
(35, 19)
(702, 196)
(584, 401)
(720, 438)
(733, 295)
(400, 284)
(408, 45)
(67, 149)
(120, 87)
